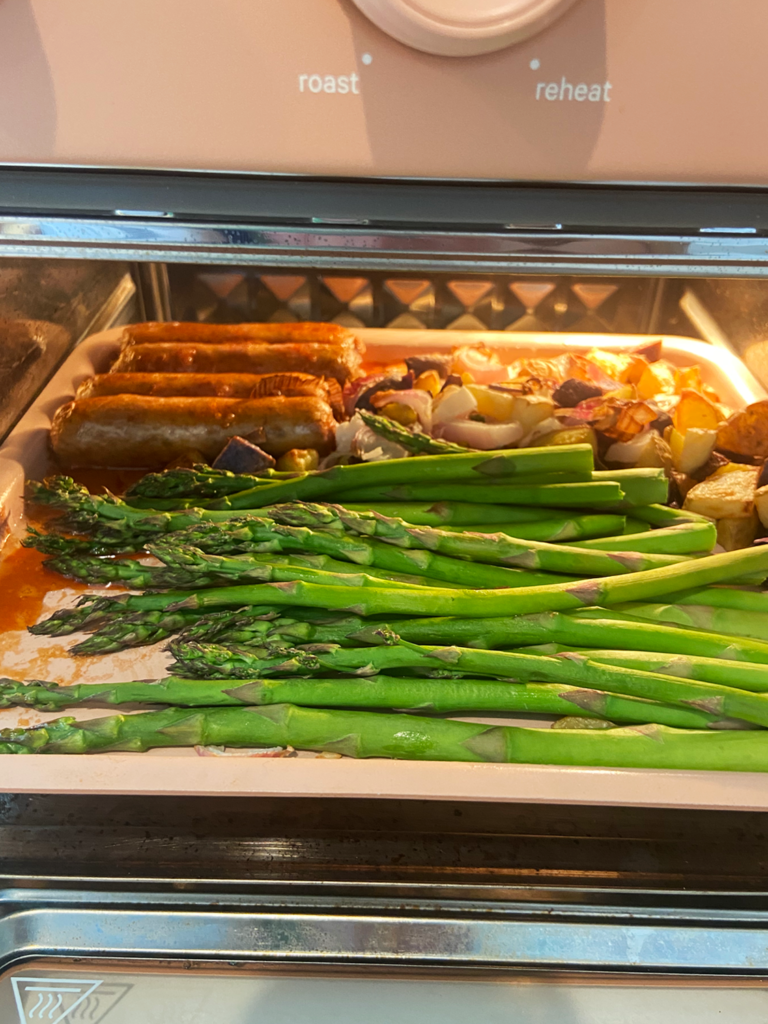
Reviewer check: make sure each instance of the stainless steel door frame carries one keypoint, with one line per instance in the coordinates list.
(142, 239)
(582, 931)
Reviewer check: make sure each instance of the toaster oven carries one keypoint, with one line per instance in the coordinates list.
(525, 169)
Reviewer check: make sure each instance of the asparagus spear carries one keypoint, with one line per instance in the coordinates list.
(568, 629)
(142, 629)
(681, 540)
(198, 482)
(639, 586)
(187, 568)
(725, 597)
(455, 513)
(555, 529)
(719, 620)
(418, 444)
(441, 696)
(707, 670)
(370, 734)
(641, 486)
(212, 660)
(495, 631)
(632, 525)
(662, 515)
(592, 494)
(488, 466)
(238, 627)
(493, 548)
(238, 535)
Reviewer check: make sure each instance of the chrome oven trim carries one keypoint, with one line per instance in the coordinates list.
(344, 247)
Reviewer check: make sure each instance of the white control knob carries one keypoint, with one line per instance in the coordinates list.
(461, 28)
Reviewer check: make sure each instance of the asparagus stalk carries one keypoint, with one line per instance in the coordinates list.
(504, 464)
(251, 533)
(455, 513)
(686, 539)
(238, 627)
(370, 734)
(662, 515)
(142, 629)
(494, 548)
(238, 536)
(440, 696)
(713, 619)
(592, 494)
(725, 597)
(707, 670)
(418, 444)
(640, 586)
(632, 525)
(570, 630)
(555, 529)
(187, 568)
(641, 486)
(206, 660)
(198, 482)
(93, 613)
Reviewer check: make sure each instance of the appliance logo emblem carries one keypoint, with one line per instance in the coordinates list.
(65, 1000)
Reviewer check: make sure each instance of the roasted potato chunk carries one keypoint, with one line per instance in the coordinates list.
(727, 494)
(746, 433)
(737, 533)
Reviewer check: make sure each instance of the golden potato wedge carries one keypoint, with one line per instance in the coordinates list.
(727, 494)
(690, 377)
(657, 378)
(691, 449)
(498, 406)
(570, 435)
(746, 432)
(695, 411)
(737, 533)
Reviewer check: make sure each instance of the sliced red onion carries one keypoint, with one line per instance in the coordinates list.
(483, 436)
(545, 427)
(372, 447)
(457, 405)
(483, 364)
(415, 398)
(629, 451)
(346, 433)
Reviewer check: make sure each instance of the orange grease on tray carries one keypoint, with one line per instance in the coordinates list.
(24, 582)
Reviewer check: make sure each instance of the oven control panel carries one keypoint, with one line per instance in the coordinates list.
(461, 28)
(531, 90)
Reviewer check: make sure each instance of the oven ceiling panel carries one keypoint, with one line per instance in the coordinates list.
(593, 90)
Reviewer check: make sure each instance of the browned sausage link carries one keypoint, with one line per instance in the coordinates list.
(140, 431)
(339, 361)
(214, 385)
(144, 334)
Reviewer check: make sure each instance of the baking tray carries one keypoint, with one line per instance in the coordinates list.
(182, 772)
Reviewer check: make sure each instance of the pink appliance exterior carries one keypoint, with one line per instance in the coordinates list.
(614, 90)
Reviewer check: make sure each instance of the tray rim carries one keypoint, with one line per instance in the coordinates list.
(163, 773)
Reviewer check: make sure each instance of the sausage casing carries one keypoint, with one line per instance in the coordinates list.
(339, 361)
(143, 334)
(140, 431)
(213, 385)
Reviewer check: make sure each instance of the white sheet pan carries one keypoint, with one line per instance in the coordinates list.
(182, 772)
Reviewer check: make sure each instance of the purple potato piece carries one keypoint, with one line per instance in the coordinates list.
(439, 361)
(573, 391)
(241, 456)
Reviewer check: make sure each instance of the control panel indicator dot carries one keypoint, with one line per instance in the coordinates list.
(535, 64)
(367, 58)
